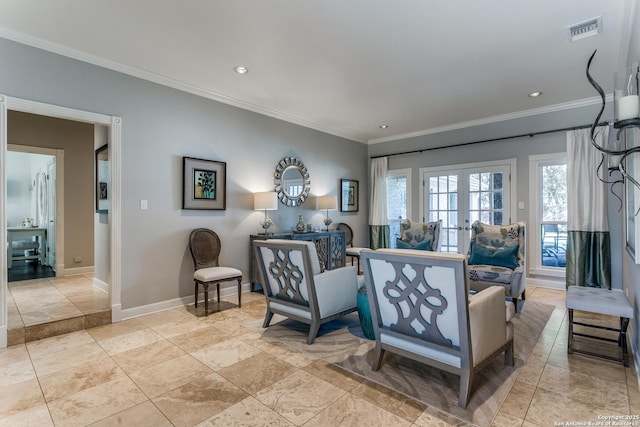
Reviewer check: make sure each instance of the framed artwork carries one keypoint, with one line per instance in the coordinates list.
(349, 195)
(103, 183)
(204, 184)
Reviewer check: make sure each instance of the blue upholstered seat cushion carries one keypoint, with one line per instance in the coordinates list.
(425, 245)
(504, 257)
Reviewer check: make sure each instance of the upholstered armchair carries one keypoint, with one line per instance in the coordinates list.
(295, 287)
(420, 309)
(496, 256)
(418, 235)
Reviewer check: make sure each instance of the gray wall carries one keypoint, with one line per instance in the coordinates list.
(160, 126)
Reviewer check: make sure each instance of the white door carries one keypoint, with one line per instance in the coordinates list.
(51, 213)
(461, 195)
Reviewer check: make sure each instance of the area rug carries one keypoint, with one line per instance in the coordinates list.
(342, 343)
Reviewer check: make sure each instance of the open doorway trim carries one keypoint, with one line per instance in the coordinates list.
(114, 125)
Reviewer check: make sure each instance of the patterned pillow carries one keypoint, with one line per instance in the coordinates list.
(503, 257)
(425, 245)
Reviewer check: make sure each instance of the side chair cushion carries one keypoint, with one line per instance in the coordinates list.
(425, 245)
(503, 257)
(336, 290)
(354, 251)
(216, 273)
(490, 273)
(487, 310)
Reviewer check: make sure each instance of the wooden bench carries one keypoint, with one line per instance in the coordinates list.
(601, 301)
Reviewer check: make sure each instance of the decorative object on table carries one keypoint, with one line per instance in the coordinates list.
(291, 179)
(102, 179)
(328, 203)
(267, 201)
(349, 195)
(620, 150)
(300, 227)
(203, 184)
(27, 222)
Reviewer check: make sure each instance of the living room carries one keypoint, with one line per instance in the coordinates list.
(160, 125)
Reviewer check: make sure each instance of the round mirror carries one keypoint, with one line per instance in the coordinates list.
(292, 181)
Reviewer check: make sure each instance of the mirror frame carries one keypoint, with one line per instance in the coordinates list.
(283, 196)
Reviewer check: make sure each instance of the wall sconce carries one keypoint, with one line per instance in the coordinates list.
(627, 114)
(267, 201)
(329, 203)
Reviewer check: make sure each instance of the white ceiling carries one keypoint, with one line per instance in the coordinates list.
(345, 66)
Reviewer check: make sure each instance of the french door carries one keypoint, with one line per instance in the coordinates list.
(461, 194)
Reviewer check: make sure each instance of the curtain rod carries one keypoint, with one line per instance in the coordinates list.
(531, 135)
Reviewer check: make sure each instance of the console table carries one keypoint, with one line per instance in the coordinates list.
(26, 233)
(330, 246)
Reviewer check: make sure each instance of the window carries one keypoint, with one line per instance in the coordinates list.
(548, 178)
(398, 200)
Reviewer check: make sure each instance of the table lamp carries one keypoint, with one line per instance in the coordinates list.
(328, 203)
(267, 201)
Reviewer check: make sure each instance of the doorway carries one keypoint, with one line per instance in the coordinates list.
(112, 125)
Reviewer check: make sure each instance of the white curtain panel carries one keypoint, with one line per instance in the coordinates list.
(587, 195)
(378, 208)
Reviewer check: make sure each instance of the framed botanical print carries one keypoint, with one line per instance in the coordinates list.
(203, 184)
(349, 195)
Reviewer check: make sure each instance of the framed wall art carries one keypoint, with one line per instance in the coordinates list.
(103, 183)
(349, 195)
(204, 184)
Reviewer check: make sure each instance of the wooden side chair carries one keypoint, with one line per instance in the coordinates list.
(205, 249)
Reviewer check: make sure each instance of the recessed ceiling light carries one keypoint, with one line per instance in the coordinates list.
(241, 70)
(384, 126)
(534, 94)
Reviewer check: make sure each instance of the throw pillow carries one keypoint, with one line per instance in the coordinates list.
(503, 257)
(422, 246)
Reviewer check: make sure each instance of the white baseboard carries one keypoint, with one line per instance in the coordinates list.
(104, 287)
(130, 313)
(545, 283)
(77, 271)
(3, 336)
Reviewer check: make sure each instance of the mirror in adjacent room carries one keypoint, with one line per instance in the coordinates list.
(291, 180)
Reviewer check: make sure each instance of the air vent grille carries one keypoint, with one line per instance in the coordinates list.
(585, 29)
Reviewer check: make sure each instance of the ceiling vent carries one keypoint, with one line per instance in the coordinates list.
(584, 29)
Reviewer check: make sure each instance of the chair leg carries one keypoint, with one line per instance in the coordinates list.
(508, 355)
(240, 292)
(218, 292)
(196, 294)
(524, 296)
(515, 303)
(206, 298)
(570, 338)
(378, 354)
(267, 317)
(465, 387)
(313, 331)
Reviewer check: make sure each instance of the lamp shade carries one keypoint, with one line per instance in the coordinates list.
(267, 200)
(327, 202)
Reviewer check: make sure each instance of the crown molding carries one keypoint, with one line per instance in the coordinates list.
(495, 119)
(168, 81)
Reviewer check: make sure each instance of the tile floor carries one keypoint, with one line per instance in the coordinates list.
(173, 368)
(42, 308)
